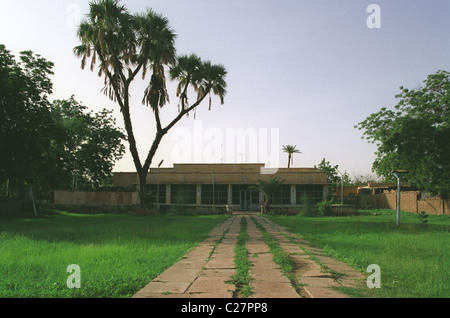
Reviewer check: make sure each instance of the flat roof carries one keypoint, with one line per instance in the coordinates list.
(222, 173)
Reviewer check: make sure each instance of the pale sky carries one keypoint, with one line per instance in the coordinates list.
(299, 72)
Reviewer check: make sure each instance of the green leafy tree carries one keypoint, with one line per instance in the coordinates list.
(346, 179)
(126, 45)
(290, 150)
(88, 147)
(45, 145)
(267, 188)
(332, 171)
(333, 175)
(364, 179)
(26, 128)
(415, 135)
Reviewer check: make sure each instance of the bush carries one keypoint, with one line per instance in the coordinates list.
(148, 200)
(423, 217)
(324, 208)
(307, 208)
(366, 203)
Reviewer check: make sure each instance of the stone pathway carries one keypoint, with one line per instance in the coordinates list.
(207, 270)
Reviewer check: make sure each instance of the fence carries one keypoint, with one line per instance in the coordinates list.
(95, 198)
(15, 205)
(410, 201)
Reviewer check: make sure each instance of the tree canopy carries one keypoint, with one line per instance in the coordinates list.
(125, 45)
(333, 174)
(26, 130)
(267, 187)
(45, 144)
(89, 146)
(415, 135)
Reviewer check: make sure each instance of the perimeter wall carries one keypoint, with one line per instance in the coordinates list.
(410, 201)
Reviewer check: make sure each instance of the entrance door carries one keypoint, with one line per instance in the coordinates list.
(246, 200)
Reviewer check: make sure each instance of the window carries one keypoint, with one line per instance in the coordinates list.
(183, 194)
(313, 191)
(214, 194)
(282, 195)
(153, 189)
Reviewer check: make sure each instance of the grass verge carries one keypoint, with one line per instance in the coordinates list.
(118, 254)
(414, 258)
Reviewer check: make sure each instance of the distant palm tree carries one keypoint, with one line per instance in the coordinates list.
(290, 150)
(267, 188)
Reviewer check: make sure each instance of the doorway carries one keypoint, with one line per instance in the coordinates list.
(245, 200)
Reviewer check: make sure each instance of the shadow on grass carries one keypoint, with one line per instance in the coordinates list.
(51, 226)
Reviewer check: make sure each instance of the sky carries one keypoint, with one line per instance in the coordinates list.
(300, 72)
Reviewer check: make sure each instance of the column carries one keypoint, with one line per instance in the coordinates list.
(293, 195)
(325, 192)
(230, 195)
(199, 195)
(167, 193)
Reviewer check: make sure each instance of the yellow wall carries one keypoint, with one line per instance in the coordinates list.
(220, 174)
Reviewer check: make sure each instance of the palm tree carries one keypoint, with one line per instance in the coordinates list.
(290, 150)
(126, 45)
(203, 76)
(267, 188)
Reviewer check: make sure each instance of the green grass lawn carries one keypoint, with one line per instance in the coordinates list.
(414, 259)
(117, 254)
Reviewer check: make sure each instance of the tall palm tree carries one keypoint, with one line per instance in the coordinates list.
(203, 76)
(187, 72)
(159, 51)
(290, 150)
(126, 45)
(267, 188)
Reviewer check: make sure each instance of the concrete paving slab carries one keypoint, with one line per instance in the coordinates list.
(321, 292)
(217, 263)
(325, 282)
(177, 276)
(308, 268)
(351, 282)
(201, 274)
(207, 284)
(188, 264)
(219, 272)
(167, 287)
(267, 289)
(267, 274)
(216, 294)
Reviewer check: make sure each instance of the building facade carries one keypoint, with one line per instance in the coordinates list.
(227, 185)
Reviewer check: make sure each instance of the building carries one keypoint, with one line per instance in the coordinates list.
(227, 185)
(377, 188)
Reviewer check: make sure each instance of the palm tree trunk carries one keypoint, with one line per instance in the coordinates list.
(266, 203)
